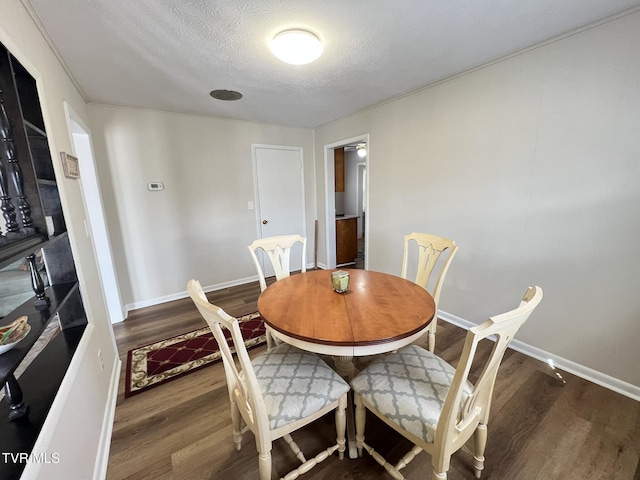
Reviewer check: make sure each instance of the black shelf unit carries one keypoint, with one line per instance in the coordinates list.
(28, 178)
(20, 249)
(39, 320)
(40, 383)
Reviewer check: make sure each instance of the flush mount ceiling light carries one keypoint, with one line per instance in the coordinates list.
(296, 47)
(362, 150)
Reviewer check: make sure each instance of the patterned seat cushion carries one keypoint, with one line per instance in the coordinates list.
(295, 384)
(408, 387)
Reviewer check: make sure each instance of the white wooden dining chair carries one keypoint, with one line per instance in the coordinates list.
(278, 250)
(280, 391)
(433, 404)
(434, 256)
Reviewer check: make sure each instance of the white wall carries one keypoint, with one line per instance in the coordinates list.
(351, 182)
(78, 425)
(532, 165)
(199, 225)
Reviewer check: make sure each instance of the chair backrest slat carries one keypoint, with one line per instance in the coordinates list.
(242, 383)
(278, 250)
(430, 250)
(503, 328)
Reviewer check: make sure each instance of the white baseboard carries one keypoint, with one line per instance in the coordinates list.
(102, 458)
(210, 288)
(599, 378)
(184, 294)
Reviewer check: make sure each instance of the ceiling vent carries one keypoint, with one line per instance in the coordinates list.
(226, 95)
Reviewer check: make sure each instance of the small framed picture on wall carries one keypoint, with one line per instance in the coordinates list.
(70, 165)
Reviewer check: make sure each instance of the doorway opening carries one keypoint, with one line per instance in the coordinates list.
(346, 202)
(97, 224)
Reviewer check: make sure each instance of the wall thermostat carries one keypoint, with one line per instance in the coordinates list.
(155, 186)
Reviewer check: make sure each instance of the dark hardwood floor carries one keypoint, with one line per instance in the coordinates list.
(540, 428)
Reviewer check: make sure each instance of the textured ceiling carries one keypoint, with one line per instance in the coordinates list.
(169, 54)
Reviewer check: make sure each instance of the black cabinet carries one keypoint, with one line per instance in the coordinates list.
(29, 197)
(32, 217)
(37, 271)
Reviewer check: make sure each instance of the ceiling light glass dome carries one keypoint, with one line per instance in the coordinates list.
(297, 47)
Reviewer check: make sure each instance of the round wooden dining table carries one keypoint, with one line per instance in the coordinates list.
(379, 313)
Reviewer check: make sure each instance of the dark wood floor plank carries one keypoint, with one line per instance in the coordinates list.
(515, 425)
(540, 427)
(564, 431)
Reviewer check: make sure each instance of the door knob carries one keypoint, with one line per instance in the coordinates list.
(264, 222)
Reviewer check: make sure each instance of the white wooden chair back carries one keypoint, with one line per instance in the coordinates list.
(261, 394)
(241, 382)
(432, 252)
(437, 408)
(278, 250)
(456, 425)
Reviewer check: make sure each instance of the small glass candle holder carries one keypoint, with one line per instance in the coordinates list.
(340, 281)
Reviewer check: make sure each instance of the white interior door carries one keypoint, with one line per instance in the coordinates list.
(279, 184)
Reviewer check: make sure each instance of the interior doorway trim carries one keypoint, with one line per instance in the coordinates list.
(95, 225)
(330, 199)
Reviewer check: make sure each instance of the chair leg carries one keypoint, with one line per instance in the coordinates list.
(270, 341)
(432, 341)
(294, 448)
(361, 415)
(264, 464)
(439, 475)
(236, 421)
(341, 425)
(440, 463)
(480, 442)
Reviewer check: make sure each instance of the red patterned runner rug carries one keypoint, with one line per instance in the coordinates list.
(159, 362)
